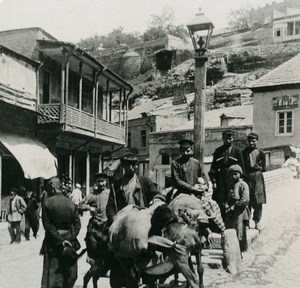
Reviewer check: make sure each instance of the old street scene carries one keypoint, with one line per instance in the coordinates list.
(149, 143)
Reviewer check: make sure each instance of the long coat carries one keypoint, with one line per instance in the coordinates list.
(255, 164)
(117, 200)
(223, 158)
(185, 174)
(61, 222)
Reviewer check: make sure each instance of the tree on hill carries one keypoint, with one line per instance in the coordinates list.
(239, 19)
(161, 25)
(116, 38)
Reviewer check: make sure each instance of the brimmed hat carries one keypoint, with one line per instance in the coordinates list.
(235, 168)
(78, 185)
(129, 157)
(101, 176)
(252, 135)
(186, 143)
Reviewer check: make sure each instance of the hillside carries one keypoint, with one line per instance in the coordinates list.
(229, 72)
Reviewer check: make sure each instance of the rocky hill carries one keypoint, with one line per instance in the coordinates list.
(229, 72)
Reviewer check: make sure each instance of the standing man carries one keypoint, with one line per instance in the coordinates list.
(223, 157)
(31, 214)
(255, 164)
(76, 195)
(130, 189)
(96, 202)
(15, 210)
(62, 224)
(186, 170)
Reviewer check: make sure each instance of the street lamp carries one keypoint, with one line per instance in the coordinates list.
(200, 29)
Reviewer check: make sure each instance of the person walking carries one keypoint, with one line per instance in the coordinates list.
(15, 210)
(292, 163)
(62, 225)
(76, 195)
(255, 165)
(31, 215)
(224, 156)
(236, 207)
(186, 170)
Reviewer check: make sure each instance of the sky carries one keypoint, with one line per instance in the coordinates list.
(73, 20)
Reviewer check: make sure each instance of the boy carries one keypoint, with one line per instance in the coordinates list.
(236, 208)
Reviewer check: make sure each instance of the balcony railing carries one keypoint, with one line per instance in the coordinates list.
(80, 120)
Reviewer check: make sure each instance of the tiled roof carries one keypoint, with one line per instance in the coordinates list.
(286, 74)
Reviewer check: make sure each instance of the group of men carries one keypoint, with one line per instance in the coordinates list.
(62, 222)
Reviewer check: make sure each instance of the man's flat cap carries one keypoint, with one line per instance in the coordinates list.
(186, 143)
(252, 135)
(101, 176)
(228, 132)
(129, 157)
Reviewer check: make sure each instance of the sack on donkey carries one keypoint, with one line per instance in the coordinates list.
(129, 231)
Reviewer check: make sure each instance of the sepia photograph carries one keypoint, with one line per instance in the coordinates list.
(149, 143)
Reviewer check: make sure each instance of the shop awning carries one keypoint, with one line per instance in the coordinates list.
(35, 159)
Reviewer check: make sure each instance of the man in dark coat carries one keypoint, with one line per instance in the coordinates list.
(186, 170)
(223, 157)
(62, 224)
(255, 164)
(131, 189)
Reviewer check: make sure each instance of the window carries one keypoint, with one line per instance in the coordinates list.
(143, 138)
(129, 140)
(290, 28)
(277, 32)
(284, 123)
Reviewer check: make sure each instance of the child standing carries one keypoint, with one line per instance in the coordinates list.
(236, 208)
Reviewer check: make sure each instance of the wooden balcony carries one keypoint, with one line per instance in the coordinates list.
(81, 122)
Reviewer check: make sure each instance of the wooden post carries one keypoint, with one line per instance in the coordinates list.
(80, 87)
(87, 181)
(0, 181)
(107, 96)
(62, 91)
(67, 90)
(110, 105)
(70, 166)
(94, 99)
(96, 104)
(120, 107)
(100, 163)
(199, 107)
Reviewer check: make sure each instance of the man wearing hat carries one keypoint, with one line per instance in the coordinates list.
(130, 189)
(186, 170)
(62, 225)
(255, 164)
(223, 157)
(96, 201)
(76, 195)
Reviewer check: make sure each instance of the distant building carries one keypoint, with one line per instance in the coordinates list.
(164, 143)
(79, 105)
(276, 111)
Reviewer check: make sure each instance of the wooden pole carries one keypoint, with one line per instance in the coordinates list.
(80, 87)
(0, 181)
(87, 184)
(199, 107)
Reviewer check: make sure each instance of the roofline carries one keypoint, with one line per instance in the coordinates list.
(89, 57)
(286, 16)
(29, 28)
(23, 57)
(275, 87)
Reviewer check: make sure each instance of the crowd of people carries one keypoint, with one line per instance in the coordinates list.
(237, 192)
